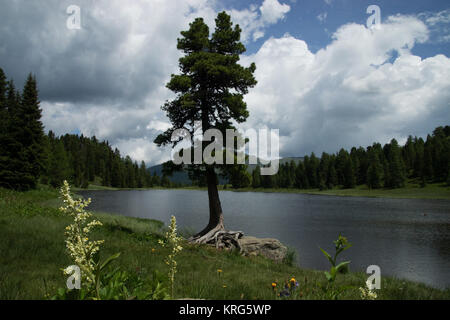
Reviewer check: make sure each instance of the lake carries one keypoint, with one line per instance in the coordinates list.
(406, 238)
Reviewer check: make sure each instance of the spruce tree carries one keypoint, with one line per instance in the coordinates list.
(428, 172)
(301, 181)
(448, 176)
(312, 167)
(375, 170)
(142, 181)
(30, 135)
(17, 161)
(349, 174)
(156, 181)
(324, 168)
(396, 167)
(256, 177)
(332, 180)
(4, 123)
(59, 167)
(3, 105)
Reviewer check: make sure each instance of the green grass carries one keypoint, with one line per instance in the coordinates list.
(33, 253)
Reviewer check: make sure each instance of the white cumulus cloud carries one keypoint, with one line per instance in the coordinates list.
(353, 92)
(255, 19)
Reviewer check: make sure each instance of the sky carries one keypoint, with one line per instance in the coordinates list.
(325, 79)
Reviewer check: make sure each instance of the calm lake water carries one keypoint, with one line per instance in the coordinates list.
(407, 238)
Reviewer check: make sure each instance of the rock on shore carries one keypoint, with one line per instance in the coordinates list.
(270, 248)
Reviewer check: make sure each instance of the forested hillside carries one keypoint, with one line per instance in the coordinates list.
(83, 160)
(29, 156)
(376, 166)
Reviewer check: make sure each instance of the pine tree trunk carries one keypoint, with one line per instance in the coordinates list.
(215, 208)
(215, 233)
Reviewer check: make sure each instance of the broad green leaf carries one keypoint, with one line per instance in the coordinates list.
(341, 265)
(109, 260)
(328, 256)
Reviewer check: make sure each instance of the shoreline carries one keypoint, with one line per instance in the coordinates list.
(436, 191)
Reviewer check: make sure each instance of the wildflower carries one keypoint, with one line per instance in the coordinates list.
(293, 283)
(172, 241)
(274, 286)
(80, 248)
(219, 270)
(367, 293)
(153, 250)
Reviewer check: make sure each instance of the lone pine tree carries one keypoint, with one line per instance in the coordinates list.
(210, 90)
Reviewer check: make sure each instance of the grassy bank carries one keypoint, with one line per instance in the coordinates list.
(410, 191)
(33, 253)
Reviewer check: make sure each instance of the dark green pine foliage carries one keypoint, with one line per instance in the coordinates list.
(375, 169)
(165, 182)
(238, 177)
(4, 123)
(324, 172)
(10, 146)
(345, 169)
(209, 89)
(418, 166)
(142, 180)
(59, 166)
(312, 167)
(256, 177)
(428, 170)
(32, 135)
(448, 175)
(396, 177)
(363, 165)
(23, 157)
(3, 106)
(91, 161)
(349, 175)
(332, 179)
(409, 156)
(156, 180)
(301, 181)
(421, 162)
(354, 157)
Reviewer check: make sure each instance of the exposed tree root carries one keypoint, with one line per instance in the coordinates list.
(220, 238)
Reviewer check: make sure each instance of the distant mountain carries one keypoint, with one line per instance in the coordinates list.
(182, 176)
(179, 176)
